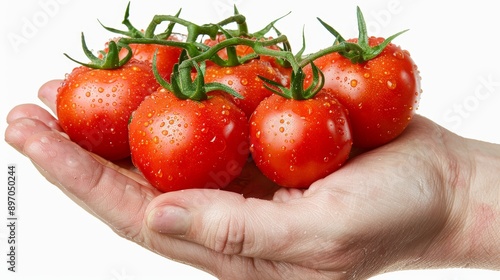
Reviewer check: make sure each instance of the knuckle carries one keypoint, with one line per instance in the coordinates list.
(230, 236)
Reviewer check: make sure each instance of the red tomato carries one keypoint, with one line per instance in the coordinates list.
(381, 94)
(94, 106)
(245, 80)
(181, 144)
(296, 142)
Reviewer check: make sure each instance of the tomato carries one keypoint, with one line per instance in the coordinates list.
(180, 144)
(380, 94)
(296, 142)
(94, 105)
(245, 80)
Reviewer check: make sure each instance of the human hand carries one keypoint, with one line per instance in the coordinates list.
(386, 209)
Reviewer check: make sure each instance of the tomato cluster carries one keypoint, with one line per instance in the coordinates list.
(191, 109)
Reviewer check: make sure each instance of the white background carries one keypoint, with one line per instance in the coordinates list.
(455, 46)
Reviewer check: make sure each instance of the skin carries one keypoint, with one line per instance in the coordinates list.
(428, 199)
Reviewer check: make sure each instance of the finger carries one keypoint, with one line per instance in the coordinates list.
(48, 93)
(20, 130)
(232, 224)
(33, 111)
(110, 195)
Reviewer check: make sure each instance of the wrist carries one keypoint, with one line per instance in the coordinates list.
(471, 236)
(481, 231)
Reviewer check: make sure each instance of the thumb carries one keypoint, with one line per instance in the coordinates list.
(229, 223)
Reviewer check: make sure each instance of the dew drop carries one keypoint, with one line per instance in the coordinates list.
(354, 83)
(391, 84)
(398, 54)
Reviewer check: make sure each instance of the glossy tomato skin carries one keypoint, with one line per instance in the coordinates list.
(381, 94)
(295, 143)
(245, 80)
(182, 144)
(94, 106)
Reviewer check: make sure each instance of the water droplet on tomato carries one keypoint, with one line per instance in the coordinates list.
(391, 84)
(326, 159)
(398, 54)
(244, 82)
(354, 83)
(366, 75)
(282, 129)
(292, 168)
(156, 140)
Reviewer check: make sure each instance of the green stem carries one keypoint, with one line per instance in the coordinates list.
(260, 47)
(313, 56)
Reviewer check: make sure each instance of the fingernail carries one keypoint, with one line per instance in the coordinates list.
(169, 220)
